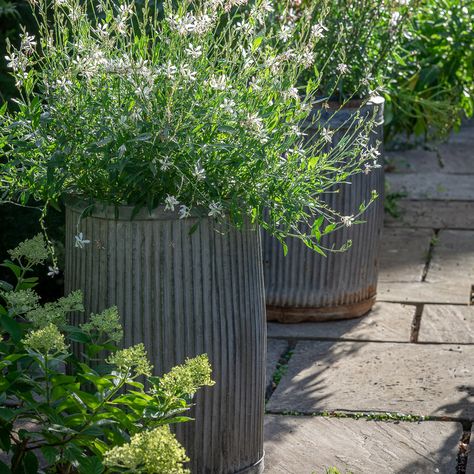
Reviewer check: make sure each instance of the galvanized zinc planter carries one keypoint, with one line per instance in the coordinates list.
(305, 286)
(184, 294)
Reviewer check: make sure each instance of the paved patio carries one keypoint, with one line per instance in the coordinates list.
(392, 392)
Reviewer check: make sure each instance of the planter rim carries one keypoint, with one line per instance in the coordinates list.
(124, 212)
(356, 104)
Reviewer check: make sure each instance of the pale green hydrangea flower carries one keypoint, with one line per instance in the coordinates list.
(47, 340)
(55, 313)
(151, 452)
(189, 377)
(132, 359)
(21, 301)
(33, 250)
(107, 322)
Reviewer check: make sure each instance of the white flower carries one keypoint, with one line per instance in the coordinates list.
(317, 31)
(343, 68)
(395, 19)
(199, 172)
(80, 242)
(291, 93)
(243, 27)
(285, 33)
(347, 220)
(215, 209)
(165, 163)
(170, 203)
(13, 61)
(295, 130)
(184, 212)
(306, 58)
(28, 43)
(187, 72)
(228, 106)
(194, 52)
(218, 83)
(371, 154)
(327, 134)
(53, 271)
(170, 70)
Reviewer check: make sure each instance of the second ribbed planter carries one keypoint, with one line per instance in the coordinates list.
(305, 286)
(185, 293)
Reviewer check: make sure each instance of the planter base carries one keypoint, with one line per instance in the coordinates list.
(256, 468)
(334, 313)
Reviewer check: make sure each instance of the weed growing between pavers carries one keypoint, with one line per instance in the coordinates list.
(370, 416)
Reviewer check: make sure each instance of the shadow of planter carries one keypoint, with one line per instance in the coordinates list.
(305, 286)
(184, 294)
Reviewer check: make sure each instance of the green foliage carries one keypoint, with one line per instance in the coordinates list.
(97, 417)
(431, 79)
(192, 109)
(357, 37)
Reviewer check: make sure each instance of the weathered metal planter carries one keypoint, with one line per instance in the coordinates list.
(185, 294)
(305, 286)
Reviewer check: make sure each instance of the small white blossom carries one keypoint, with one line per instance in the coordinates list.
(194, 51)
(170, 70)
(184, 212)
(327, 135)
(165, 163)
(291, 93)
(215, 209)
(80, 241)
(170, 203)
(317, 31)
(199, 172)
(53, 271)
(343, 68)
(187, 72)
(228, 106)
(395, 19)
(306, 58)
(218, 83)
(347, 220)
(28, 43)
(285, 33)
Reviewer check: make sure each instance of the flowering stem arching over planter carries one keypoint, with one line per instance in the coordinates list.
(178, 134)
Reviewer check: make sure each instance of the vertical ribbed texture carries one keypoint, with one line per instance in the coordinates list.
(320, 287)
(185, 294)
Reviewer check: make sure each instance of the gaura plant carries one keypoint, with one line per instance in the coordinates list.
(357, 38)
(192, 105)
(97, 417)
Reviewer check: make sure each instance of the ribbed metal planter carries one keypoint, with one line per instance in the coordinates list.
(185, 294)
(305, 286)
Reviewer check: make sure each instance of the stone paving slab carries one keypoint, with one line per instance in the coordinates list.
(412, 161)
(306, 445)
(438, 186)
(447, 323)
(433, 214)
(422, 292)
(453, 257)
(457, 158)
(386, 322)
(275, 349)
(418, 379)
(403, 254)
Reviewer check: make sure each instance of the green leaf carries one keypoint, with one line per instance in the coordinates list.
(12, 327)
(257, 42)
(90, 465)
(30, 463)
(4, 469)
(14, 268)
